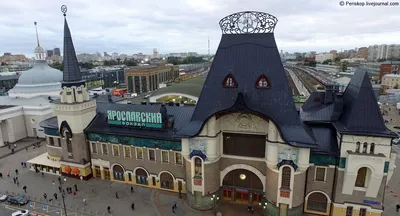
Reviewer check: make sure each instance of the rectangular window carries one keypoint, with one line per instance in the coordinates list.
(363, 212)
(94, 147)
(154, 181)
(244, 145)
(139, 153)
(129, 176)
(349, 211)
(59, 142)
(152, 155)
(320, 174)
(69, 145)
(178, 158)
(165, 156)
(104, 148)
(115, 150)
(51, 141)
(127, 150)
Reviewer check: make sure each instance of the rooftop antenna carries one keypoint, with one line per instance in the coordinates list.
(208, 45)
(37, 35)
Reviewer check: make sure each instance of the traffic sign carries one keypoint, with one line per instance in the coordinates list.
(57, 211)
(44, 207)
(31, 204)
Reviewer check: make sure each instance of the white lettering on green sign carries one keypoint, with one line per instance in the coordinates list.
(140, 119)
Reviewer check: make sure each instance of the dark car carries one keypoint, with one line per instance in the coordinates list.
(17, 200)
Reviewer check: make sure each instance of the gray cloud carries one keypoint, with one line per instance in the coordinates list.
(184, 25)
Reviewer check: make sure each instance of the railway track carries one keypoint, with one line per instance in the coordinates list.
(295, 91)
(310, 82)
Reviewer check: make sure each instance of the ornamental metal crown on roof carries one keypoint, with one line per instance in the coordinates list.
(248, 22)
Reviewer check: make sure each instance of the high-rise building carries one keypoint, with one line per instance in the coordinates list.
(50, 53)
(155, 53)
(57, 51)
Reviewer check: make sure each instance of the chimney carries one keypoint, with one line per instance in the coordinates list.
(329, 88)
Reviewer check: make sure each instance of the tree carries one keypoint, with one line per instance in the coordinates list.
(328, 61)
(110, 62)
(58, 66)
(87, 65)
(344, 65)
(118, 60)
(337, 59)
(130, 62)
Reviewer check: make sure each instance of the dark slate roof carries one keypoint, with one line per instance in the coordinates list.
(315, 109)
(181, 115)
(361, 114)
(246, 57)
(49, 123)
(325, 135)
(71, 72)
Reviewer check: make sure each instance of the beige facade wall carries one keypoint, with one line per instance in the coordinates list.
(211, 177)
(271, 189)
(390, 113)
(391, 81)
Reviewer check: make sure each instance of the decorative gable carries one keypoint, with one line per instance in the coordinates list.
(229, 82)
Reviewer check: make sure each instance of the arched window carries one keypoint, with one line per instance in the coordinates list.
(286, 175)
(262, 82)
(372, 148)
(141, 176)
(317, 202)
(361, 177)
(365, 147)
(358, 144)
(167, 181)
(118, 173)
(197, 167)
(229, 82)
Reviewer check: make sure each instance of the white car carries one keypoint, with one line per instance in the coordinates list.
(21, 213)
(3, 197)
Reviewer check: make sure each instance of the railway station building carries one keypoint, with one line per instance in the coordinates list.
(243, 141)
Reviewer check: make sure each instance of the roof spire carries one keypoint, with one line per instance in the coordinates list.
(71, 72)
(37, 35)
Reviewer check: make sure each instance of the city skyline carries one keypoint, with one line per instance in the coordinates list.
(186, 26)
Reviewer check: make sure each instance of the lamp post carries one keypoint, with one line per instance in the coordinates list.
(215, 200)
(264, 207)
(62, 193)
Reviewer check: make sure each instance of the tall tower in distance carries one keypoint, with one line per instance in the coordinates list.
(74, 112)
(155, 53)
(208, 45)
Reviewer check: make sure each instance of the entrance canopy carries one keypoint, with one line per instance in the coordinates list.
(43, 159)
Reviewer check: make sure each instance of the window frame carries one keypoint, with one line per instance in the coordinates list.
(358, 147)
(261, 77)
(162, 158)
(51, 141)
(136, 153)
(175, 153)
(372, 148)
(349, 210)
(284, 178)
(363, 212)
(364, 178)
(113, 152)
(315, 173)
(91, 148)
(234, 82)
(148, 155)
(102, 149)
(130, 151)
(365, 148)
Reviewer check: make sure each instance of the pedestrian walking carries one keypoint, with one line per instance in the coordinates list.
(14, 180)
(84, 201)
(81, 177)
(109, 209)
(24, 188)
(25, 164)
(76, 187)
(16, 171)
(133, 206)
(60, 189)
(74, 193)
(8, 174)
(397, 207)
(22, 164)
(175, 207)
(45, 196)
(116, 195)
(1, 175)
(131, 189)
(42, 174)
(12, 151)
(55, 196)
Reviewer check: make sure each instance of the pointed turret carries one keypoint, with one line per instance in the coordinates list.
(39, 51)
(71, 73)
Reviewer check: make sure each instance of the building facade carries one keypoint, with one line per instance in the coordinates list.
(390, 81)
(324, 56)
(243, 142)
(142, 79)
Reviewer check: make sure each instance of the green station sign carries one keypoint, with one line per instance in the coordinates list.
(137, 119)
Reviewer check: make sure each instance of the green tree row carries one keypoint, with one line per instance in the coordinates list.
(186, 60)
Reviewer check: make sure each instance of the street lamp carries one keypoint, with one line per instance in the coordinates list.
(264, 207)
(215, 200)
(62, 193)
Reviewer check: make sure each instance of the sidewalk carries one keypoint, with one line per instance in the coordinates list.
(21, 145)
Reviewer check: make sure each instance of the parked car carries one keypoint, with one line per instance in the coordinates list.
(3, 197)
(21, 213)
(17, 200)
(396, 141)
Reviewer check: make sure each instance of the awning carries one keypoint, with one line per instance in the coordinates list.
(44, 160)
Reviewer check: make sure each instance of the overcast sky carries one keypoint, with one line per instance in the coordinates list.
(127, 26)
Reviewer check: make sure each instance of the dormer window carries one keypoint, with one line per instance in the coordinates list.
(229, 82)
(262, 82)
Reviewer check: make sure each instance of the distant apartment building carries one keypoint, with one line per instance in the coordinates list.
(155, 53)
(325, 56)
(388, 68)
(362, 52)
(114, 55)
(8, 58)
(390, 81)
(50, 53)
(383, 51)
(333, 52)
(57, 51)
